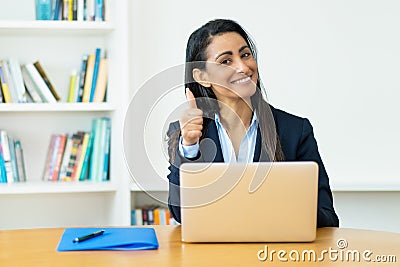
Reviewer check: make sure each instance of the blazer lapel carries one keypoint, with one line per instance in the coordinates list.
(210, 146)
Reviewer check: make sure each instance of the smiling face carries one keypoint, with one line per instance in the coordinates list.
(231, 69)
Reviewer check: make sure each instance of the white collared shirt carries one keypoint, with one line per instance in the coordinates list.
(246, 149)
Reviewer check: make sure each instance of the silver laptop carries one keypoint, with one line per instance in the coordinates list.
(256, 202)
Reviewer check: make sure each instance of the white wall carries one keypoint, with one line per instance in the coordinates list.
(334, 62)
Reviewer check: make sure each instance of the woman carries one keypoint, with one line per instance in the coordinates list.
(226, 105)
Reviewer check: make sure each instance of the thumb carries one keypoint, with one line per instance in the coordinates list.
(190, 98)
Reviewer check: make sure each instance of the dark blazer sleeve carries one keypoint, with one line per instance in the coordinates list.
(308, 151)
(173, 177)
(174, 202)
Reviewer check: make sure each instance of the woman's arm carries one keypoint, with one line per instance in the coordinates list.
(308, 151)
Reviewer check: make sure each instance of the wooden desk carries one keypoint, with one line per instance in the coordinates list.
(37, 247)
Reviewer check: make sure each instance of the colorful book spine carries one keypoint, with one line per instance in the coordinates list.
(3, 172)
(15, 70)
(76, 141)
(88, 78)
(64, 164)
(59, 152)
(41, 86)
(107, 142)
(4, 85)
(13, 159)
(81, 157)
(95, 73)
(72, 87)
(30, 86)
(80, 10)
(57, 8)
(90, 10)
(94, 174)
(99, 10)
(85, 166)
(19, 155)
(6, 156)
(47, 80)
(82, 75)
(101, 85)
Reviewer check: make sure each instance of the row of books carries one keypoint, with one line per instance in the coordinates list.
(26, 83)
(151, 215)
(90, 84)
(71, 10)
(12, 165)
(30, 83)
(80, 156)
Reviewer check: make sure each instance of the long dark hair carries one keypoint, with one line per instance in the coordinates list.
(196, 56)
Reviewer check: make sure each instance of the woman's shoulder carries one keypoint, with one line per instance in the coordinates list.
(282, 115)
(286, 121)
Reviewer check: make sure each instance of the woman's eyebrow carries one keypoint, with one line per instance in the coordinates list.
(224, 53)
(230, 52)
(243, 48)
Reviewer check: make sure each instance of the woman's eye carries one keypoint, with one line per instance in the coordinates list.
(225, 61)
(246, 55)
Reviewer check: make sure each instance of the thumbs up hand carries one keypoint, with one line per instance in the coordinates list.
(191, 121)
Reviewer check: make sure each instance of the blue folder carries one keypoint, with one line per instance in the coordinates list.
(111, 239)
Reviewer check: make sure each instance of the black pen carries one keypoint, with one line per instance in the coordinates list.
(89, 236)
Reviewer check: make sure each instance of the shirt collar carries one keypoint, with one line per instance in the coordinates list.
(253, 120)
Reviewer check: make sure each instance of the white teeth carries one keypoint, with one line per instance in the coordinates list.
(241, 80)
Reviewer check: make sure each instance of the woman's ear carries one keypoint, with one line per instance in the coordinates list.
(201, 77)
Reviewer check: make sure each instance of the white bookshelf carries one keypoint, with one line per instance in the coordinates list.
(59, 46)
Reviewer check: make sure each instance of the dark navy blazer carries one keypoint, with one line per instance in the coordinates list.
(298, 144)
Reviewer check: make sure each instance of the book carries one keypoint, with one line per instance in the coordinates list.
(81, 157)
(59, 152)
(3, 172)
(82, 75)
(72, 87)
(11, 86)
(57, 9)
(14, 166)
(101, 86)
(99, 10)
(90, 10)
(1, 94)
(43, 9)
(106, 149)
(77, 140)
(6, 156)
(74, 9)
(41, 87)
(94, 173)
(88, 78)
(64, 164)
(113, 239)
(30, 86)
(19, 155)
(70, 10)
(15, 70)
(47, 80)
(4, 85)
(95, 73)
(46, 171)
(80, 10)
(85, 166)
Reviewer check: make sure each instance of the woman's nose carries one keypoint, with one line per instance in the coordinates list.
(241, 66)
